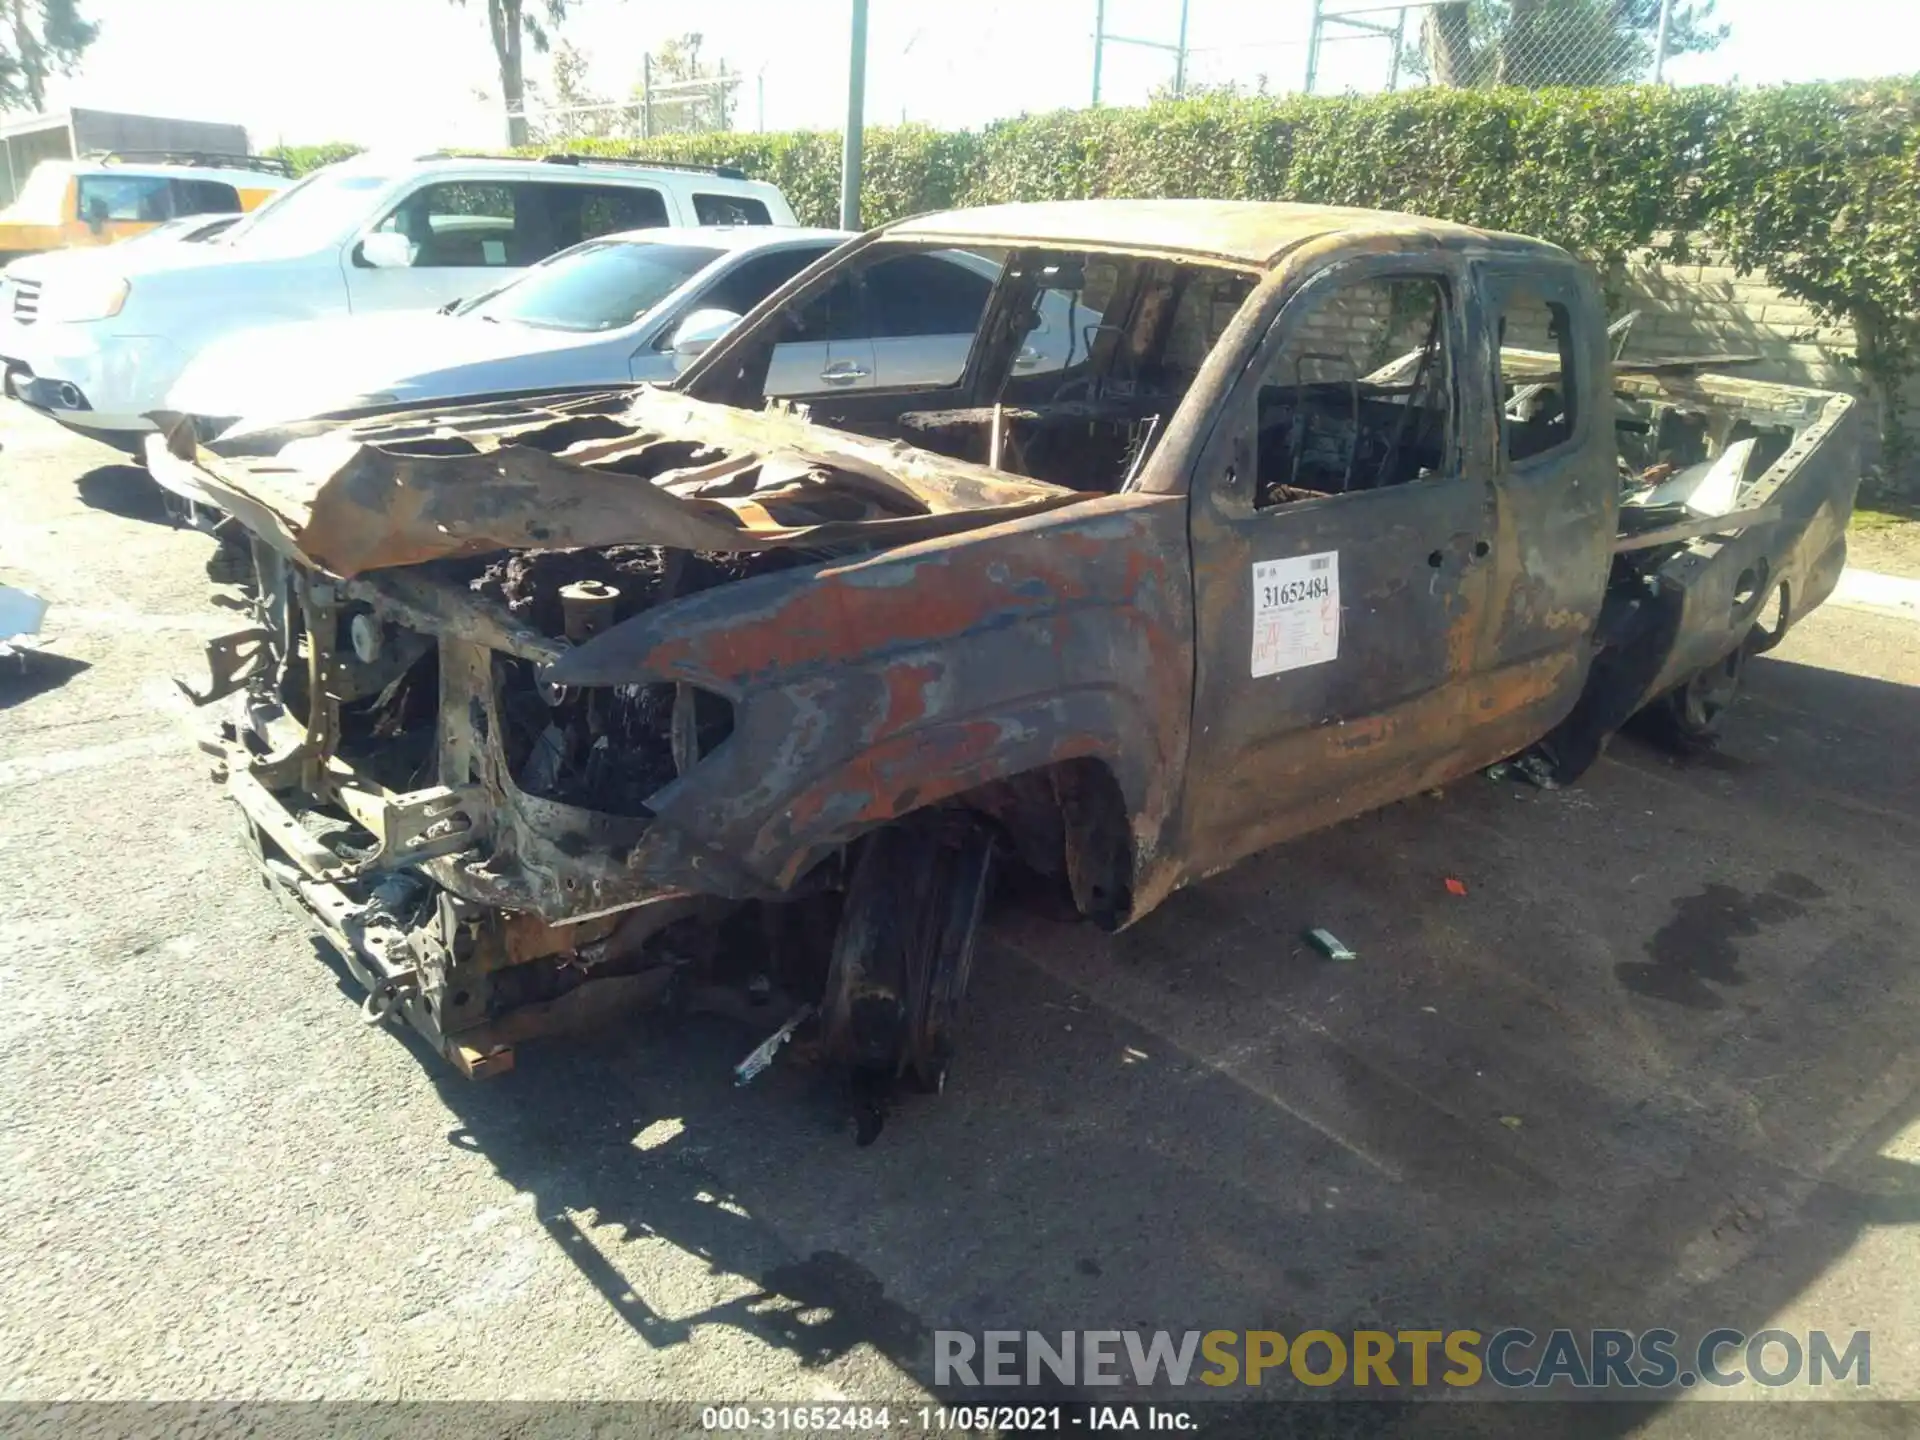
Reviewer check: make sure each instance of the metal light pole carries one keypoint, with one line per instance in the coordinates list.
(1099, 43)
(1660, 40)
(856, 120)
(1317, 25)
(1180, 56)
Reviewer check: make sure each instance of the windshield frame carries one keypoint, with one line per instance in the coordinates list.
(733, 371)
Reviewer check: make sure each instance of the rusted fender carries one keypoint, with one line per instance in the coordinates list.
(868, 688)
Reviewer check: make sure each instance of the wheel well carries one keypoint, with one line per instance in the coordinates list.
(1763, 637)
(1067, 821)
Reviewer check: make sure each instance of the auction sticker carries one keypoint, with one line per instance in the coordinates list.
(1296, 612)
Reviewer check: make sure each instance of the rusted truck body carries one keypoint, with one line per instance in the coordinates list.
(1324, 508)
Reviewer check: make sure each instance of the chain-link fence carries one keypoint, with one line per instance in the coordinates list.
(1529, 43)
(763, 66)
(676, 108)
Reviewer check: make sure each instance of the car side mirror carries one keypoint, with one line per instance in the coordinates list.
(385, 250)
(697, 332)
(96, 215)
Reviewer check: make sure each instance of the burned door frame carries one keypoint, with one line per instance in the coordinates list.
(1275, 755)
(1557, 514)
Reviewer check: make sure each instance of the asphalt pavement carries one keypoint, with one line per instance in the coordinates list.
(1654, 1067)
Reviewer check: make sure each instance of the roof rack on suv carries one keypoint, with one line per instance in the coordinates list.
(203, 159)
(636, 162)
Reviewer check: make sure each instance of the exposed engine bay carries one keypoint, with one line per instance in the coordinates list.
(475, 839)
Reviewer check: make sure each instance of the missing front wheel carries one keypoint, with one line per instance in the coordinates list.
(902, 957)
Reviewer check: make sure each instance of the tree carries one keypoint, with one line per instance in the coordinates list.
(689, 108)
(512, 23)
(578, 111)
(42, 38)
(1554, 42)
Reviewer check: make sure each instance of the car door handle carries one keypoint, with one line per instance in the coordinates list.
(844, 372)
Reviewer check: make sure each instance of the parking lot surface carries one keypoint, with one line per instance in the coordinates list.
(1655, 1067)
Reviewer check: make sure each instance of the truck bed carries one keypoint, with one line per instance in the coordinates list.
(1735, 499)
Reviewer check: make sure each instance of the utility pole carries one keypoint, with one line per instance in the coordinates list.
(1099, 43)
(856, 120)
(1313, 47)
(1660, 41)
(646, 96)
(1180, 56)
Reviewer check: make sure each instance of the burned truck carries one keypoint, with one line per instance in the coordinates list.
(558, 705)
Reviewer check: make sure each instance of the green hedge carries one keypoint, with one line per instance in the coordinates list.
(311, 157)
(1815, 187)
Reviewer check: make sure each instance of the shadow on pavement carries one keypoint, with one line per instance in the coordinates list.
(1515, 1108)
(124, 490)
(33, 673)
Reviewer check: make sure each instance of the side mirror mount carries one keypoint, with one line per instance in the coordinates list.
(385, 250)
(693, 335)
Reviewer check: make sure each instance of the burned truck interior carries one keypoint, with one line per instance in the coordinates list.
(504, 725)
(1067, 371)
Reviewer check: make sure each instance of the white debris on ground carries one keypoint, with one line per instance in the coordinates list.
(21, 612)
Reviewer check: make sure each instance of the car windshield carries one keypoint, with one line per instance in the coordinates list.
(601, 285)
(315, 209)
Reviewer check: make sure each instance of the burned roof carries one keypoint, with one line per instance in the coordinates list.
(1249, 232)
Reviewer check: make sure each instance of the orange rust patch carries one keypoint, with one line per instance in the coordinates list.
(939, 596)
(907, 695)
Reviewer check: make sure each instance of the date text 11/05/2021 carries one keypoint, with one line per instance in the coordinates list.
(941, 1419)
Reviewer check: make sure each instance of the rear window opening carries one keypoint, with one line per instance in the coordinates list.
(1537, 414)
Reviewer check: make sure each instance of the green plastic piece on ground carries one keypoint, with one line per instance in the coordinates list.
(1329, 945)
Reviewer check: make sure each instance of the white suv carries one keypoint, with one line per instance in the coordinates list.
(94, 339)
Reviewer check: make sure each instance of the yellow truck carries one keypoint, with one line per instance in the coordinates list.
(103, 198)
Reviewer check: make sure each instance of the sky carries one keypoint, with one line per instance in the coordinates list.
(420, 73)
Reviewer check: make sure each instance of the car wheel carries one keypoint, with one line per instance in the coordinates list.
(1691, 715)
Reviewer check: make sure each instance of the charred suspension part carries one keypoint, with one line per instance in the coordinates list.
(902, 957)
